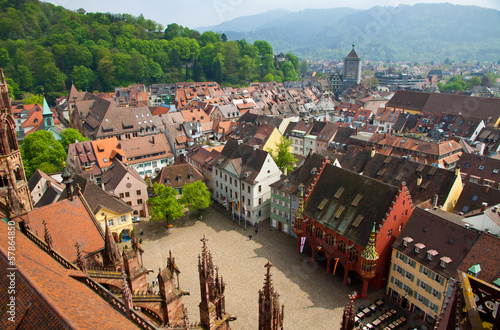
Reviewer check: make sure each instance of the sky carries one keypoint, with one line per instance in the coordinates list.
(197, 13)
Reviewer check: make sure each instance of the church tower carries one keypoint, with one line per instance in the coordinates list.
(369, 257)
(15, 199)
(352, 67)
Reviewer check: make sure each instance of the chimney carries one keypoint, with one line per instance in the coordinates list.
(435, 201)
(484, 206)
(357, 130)
(373, 152)
(419, 180)
(457, 170)
(153, 139)
(486, 188)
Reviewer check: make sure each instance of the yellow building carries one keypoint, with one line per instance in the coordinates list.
(424, 261)
(118, 222)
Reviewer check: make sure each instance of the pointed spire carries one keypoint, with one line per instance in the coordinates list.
(80, 260)
(270, 315)
(46, 109)
(111, 254)
(126, 295)
(66, 176)
(47, 236)
(370, 252)
(348, 317)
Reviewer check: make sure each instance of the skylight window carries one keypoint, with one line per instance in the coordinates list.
(481, 167)
(474, 198)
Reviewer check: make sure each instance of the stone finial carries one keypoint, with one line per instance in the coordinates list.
(47, 236)
(127, 295)
(80, 260)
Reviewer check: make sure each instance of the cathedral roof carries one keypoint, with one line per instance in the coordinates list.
(46, 292)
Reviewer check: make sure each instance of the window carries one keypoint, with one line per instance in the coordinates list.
(260, 201)
(139, 201)
(260, 188)
(123, 219)
(111, 222)
(248, 189)
(230, 180)
(127, 194)
(389, 233)
(129, 203)
(122, 195)
(225, 177)
(138, 192)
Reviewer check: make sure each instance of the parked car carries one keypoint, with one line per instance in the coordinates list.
(136, 219)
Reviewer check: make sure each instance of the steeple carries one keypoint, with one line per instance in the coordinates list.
(270, 316)
(67, 181)
(48, 121)
(370, 253)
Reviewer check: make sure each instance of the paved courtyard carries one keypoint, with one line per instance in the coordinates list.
(312, 298)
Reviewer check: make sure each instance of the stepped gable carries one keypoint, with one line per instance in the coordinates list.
(337, 189)
(48, 294)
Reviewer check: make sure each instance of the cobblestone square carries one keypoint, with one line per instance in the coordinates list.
(312, 298)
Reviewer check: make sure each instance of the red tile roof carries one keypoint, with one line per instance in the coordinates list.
(47, 297)
(67, 221)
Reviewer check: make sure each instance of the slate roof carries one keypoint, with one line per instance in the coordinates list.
(394, 170)
(408, 100)
(97, 198)
(352, 54)
(300, 175)
(473, 195)
(480, 166)
(485, 253)
(66, 221)
(447, 238)
(177, 175)
(37, 176)
(324, 207)
(49, 196)
(47, 296)
(248, 161)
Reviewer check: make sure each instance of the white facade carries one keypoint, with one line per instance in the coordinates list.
(255, 197)
(151, 167)
(309, 144)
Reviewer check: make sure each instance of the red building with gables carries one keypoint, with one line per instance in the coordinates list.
(354, 219)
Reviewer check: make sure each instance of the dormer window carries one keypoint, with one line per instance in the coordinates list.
(407, 240)
(431, 254)
(419, 247)
(444, 262)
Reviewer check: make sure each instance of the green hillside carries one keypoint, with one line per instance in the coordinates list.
(45, 48)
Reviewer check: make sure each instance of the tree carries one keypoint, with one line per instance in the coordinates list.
(71, 135)
(164, 204)
(33, 99)
(304, 66)
(474, 81)
(371, 82)
(196, 196)
(223, 37)
(283, 156)
(42, 148)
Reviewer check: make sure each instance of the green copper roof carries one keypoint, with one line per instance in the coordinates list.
(46, 110)
(497, 282)
(475, 269)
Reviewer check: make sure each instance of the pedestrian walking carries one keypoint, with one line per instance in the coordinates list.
(250, 236)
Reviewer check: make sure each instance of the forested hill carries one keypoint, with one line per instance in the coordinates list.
(421, 32)
(44, 48)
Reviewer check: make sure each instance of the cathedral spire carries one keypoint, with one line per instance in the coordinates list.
(270, 316)
(370, 252)
(348, 317)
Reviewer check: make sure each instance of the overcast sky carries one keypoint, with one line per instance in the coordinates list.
(196, 13)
